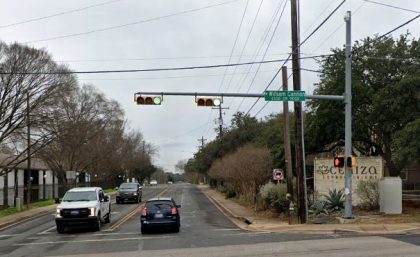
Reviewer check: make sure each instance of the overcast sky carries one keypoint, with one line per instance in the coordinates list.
(144, 34)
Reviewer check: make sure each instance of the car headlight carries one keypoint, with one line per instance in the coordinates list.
(58, 213)
(92, 212)
(135, 194)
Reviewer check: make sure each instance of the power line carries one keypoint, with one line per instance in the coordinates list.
(155, 69)
(132, 23)
(268, 46)
(392, 6)
(378, 38)
(161, 58)
(259, 48)
(306, 39)
(234, 44)
(173, 77)
(246, 43)
(57, 14)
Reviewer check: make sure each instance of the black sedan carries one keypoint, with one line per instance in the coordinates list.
(129, 192)
(160, 213)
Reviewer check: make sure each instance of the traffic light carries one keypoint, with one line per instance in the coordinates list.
(208, 101)
(148, 100)
(351, 161)
(339, 161)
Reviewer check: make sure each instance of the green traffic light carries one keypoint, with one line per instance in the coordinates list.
(157, 100)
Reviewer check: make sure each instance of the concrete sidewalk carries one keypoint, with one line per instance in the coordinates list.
(246, 219)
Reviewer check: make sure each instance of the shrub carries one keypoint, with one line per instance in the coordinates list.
(230, 193)
(368, 192)
(275, 196)
(335, 200)
(319, 207)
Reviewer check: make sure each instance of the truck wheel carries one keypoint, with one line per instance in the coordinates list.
(140, 199)
(60, 230)
(98, 223)
(108, 217)
(117, 201)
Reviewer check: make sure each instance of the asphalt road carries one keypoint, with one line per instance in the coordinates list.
(204, 230)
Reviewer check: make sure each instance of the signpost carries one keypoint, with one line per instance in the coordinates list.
(293, 96)
(278, 174)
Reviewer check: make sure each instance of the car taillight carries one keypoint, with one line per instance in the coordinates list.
(143, 212)
(174, 211)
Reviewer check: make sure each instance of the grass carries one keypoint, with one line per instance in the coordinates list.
(8, 211)
(109, 190)
(13, 210)
(43, 203)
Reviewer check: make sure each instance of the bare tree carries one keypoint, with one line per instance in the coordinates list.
(25, 73)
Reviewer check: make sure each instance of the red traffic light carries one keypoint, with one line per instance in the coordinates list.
(149, 100)
(339, 161)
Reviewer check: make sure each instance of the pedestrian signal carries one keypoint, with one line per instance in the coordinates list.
(339, 161)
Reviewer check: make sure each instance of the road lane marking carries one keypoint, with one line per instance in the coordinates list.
(124, 219)
(46, 231)
(11, 235)
(131, 214)
(95, 240)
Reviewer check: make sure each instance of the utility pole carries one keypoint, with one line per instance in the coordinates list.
(286, 137)
(202, 140)
(298, 114)
(28, 120)
(347, 128)
(220, 119)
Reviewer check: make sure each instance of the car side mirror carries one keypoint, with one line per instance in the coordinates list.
(178, 206)
(116, 188)
(106, 198)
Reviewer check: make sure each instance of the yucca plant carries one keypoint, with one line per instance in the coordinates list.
(335, 200)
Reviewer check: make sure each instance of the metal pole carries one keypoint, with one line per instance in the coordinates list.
(347, 137)
(286, 141)
(28, 193)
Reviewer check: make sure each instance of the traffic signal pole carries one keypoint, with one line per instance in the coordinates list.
(347, 129)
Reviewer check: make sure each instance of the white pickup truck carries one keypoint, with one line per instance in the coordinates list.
(83, 207)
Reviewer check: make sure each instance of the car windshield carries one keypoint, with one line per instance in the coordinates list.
(80, 196)
(159, 205)
(128, 187)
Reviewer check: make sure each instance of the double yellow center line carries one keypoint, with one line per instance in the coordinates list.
(132, 213)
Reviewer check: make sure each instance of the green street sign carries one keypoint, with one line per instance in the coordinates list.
(293, 96)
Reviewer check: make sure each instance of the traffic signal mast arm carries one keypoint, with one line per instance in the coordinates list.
(251, 95)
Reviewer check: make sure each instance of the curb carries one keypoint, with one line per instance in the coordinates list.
(246, 223)
(239, 221)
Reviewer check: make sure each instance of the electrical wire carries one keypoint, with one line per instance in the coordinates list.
(392, 6)
(58, 14)
(376, 39)
(246, 43)
(258, 49)
(154, 69)
(132, 23)
(171, 77)
(268, 46)
(306, 39)
(234, 44)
